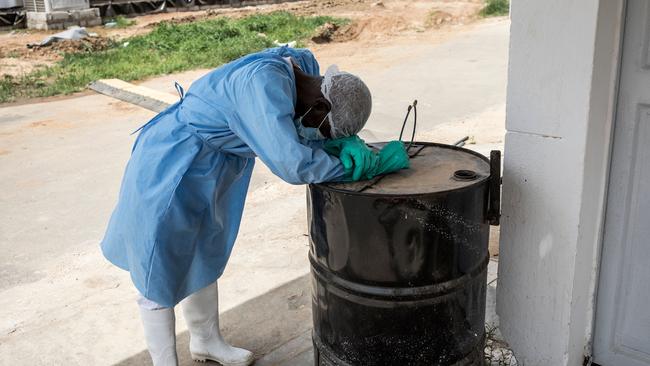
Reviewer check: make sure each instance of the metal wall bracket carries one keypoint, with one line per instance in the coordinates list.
(494, 204)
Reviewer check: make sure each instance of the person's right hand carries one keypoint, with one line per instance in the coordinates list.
(357, 158)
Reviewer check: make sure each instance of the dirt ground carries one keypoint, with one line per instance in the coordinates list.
(372, 22)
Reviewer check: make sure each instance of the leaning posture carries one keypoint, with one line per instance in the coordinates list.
(183, 191)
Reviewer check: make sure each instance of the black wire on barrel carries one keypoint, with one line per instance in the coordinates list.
(414, 107)
(408, 113)
(415, 123)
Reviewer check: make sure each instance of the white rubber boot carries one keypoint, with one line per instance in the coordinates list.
(201, 311)
(160, 333)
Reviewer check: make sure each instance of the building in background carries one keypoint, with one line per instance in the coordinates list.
(62, 14)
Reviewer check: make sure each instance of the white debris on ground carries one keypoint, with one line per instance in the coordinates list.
(496, 351)
(73, 33)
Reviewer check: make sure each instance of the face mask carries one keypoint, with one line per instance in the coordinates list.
(309, 133)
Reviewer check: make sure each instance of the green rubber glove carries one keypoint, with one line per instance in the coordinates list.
(357, 158)
(392, 157)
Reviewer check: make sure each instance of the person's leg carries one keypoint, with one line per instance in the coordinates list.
(160, 332)
(201, 311)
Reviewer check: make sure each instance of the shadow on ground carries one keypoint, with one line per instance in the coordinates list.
(277, 327)
(262, 324)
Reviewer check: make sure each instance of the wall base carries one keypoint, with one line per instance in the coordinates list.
(63, 19)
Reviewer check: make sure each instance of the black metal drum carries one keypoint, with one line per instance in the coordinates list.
(399, 264)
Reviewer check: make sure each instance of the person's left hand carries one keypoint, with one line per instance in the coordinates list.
(391, 158)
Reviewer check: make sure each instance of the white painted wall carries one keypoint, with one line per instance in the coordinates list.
(561, 91)
(63, 5)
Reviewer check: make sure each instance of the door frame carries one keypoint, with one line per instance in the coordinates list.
(598, 160)
(601, 237)
(602, 243)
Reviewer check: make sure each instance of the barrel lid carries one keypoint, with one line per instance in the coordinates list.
(434, 168)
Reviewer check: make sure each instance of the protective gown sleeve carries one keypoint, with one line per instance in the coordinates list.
(265, 124)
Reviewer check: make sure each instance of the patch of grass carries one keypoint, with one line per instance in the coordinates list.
(6, 86)
(123, 22)
(167, 49)
(436, 18)
(494, 8)
(13, 54)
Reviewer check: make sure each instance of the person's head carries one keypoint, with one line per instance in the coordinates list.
(338, 104)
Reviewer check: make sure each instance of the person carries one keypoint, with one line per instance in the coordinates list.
(184, 187)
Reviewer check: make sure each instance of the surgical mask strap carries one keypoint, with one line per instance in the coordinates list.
(303, 116)
(321, 122)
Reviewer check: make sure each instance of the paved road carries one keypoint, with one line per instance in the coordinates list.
(62, 162)
(451, 81)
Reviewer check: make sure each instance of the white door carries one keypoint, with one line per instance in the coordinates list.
(622, 334)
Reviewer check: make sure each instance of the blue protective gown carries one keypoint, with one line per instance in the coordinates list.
(184, 188)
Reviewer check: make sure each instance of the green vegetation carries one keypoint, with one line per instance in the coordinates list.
(13, 54)
(494, 8)
(167, 49)
(123, 22)
(436, 18)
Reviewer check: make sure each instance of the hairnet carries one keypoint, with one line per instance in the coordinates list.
(350, 99)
